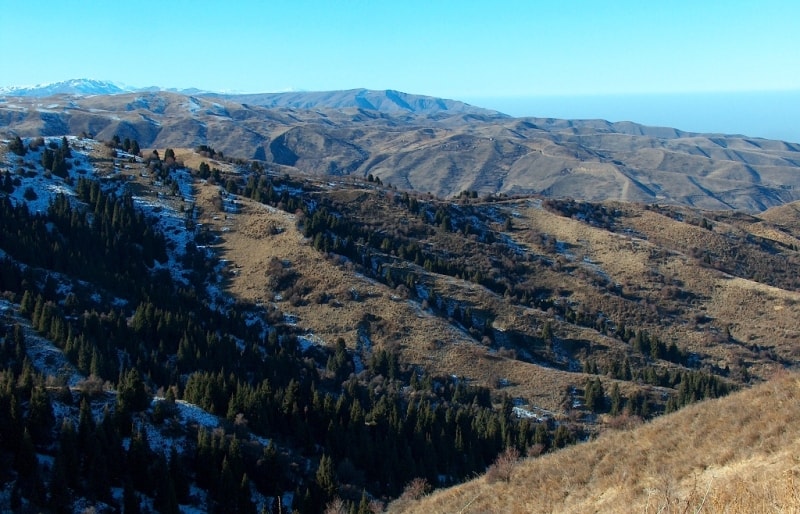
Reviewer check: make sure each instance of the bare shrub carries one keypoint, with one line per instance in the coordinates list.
(416, 489)
(93, 386)
(624, 421)
(376, 506)
(503, 466)
(535, 450)
(508, 353)
(336, 506)
(320, 297)
(402, 291)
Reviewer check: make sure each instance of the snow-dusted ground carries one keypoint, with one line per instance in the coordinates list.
(171, 222)
(561, 249)
(165, 212)
(533, 413)
(307, 341)
(589, 263)
(28, 170)
(46, 358)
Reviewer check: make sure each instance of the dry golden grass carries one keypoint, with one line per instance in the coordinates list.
(786, 216)
(192, 159)
(657, 251)
(249, 241)
(740, 454)
(641, 260)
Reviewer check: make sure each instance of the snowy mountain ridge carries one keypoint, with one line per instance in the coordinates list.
(85, 87)
(82, 87)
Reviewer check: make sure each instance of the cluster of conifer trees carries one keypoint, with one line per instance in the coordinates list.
(367, 434)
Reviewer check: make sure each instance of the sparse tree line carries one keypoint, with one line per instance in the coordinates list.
(54, 158)
(773, 263)
(127, 145)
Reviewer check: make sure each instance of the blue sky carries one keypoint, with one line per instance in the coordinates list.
(453, 49)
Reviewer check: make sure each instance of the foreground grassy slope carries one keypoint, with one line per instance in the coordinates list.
(736, 454)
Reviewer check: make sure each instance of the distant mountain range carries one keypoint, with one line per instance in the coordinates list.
(389, 101)
(428, 144)
(67, 87)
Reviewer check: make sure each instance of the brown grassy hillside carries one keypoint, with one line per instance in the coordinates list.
(737, 454)
(719, 287)
(537, 301)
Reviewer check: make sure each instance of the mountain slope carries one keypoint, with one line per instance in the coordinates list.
(387, 335)
(735, 455)
(430, 145)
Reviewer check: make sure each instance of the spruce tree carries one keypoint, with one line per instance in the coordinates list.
(17, 146)
(325, 476)
(40, 415)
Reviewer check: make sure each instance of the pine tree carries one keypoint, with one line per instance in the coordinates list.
(40, 415)
(17, 146)
(325, 476)
(131, 503)
(616, 401)
(65, 151)
(245, 503)
(60, 498)
(131, 392)
(179, 477)
(165, 500)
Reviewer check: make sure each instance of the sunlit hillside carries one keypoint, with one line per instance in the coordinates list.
(735, 455)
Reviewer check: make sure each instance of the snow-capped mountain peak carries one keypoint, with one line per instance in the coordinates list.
(82, 87)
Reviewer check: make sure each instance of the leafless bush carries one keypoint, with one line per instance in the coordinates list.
(535, 450)
(320, 297)
(93, 386)
(508, 353)
(624, 421)
(402, 291)
(416, 489)
(336, 506)
(503, 467)
(376, 506)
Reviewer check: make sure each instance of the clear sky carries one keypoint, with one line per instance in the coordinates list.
(454, 49)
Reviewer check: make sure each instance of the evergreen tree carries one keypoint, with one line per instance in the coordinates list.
(594, 395)
(325, 477)
(616, 401)
(40, 416)
(131, 503)
(131, 392)
(165, 500)
(178, 475)
(17, 146)
(60, 498)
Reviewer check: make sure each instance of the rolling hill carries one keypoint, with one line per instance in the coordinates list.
(424, 144)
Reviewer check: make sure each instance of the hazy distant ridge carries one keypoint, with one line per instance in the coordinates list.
(388, 101)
